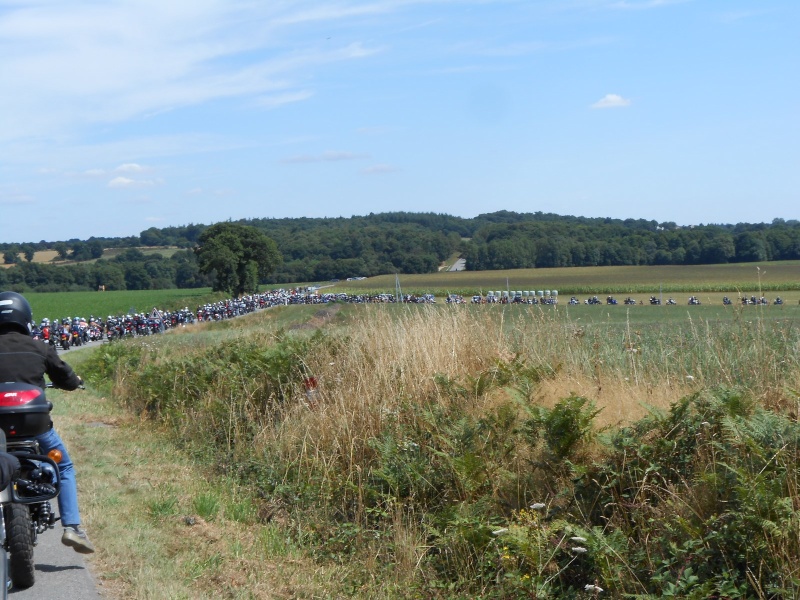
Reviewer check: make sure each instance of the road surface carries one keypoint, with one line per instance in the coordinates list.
(61, 573)
(459, 265)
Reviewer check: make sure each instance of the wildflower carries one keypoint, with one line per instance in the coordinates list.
(500, 531)
(589, 587)
(689, 378)
(579, 550)
(537, 506)
(578, 539)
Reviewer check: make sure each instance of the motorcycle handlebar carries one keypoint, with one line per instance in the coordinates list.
(81, 385)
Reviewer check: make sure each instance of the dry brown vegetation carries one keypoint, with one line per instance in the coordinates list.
(368, 481)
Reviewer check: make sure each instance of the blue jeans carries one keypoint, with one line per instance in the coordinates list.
(68, 496)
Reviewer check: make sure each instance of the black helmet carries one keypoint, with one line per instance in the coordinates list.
(15, 312)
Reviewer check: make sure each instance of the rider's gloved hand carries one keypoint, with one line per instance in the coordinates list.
(9, 468)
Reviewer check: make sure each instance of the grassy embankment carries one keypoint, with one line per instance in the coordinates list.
(667, 450)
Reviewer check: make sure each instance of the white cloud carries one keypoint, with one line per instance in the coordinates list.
(275, 100)
(68, 65)
(121, 182)
(130, 168)
(127, 182)
(612, 101)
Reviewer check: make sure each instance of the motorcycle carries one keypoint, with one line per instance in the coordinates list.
(65, 339)
(25, 510)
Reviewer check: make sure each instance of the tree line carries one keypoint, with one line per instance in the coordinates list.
(130, 270)
(607, 242)
(319, 249)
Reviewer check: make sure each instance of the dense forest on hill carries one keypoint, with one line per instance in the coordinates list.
(318, 249)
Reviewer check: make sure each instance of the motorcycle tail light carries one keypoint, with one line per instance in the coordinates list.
(18, 398)
(55, 455)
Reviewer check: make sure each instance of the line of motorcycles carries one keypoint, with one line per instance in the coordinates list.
(753, 301)
(77, 332)
(693, 301)
(611, 301)
(67, 335)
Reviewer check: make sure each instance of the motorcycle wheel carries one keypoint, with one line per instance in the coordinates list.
(20, 545)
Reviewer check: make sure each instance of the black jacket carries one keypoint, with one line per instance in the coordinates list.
(25, 360)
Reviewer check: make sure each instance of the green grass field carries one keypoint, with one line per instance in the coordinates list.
(640, 316)
(747, 278)
(67, 304)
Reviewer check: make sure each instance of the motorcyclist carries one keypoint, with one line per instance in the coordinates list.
(24, 360)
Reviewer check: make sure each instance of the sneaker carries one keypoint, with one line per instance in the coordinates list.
(76, 538)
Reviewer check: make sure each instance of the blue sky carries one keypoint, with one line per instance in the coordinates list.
(119, 116)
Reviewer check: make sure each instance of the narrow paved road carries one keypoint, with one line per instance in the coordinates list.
(459, 265)
(61, 573)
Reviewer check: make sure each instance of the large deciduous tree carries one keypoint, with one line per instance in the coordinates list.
(237, 256)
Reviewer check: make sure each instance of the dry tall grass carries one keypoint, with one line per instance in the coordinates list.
(389, 359)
